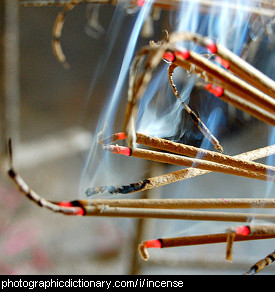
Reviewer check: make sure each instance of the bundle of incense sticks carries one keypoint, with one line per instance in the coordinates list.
(232, 83)
(158, 209)
(208, 161)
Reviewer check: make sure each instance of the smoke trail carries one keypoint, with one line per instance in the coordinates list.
(94, 165)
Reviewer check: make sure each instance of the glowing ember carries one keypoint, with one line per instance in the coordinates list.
(212, 48)
(119, 150)
(65, 204)
(170, 57)
(243, 230)
(216, 90)
(223, 62)
(155, 243)
(140, 3)
(183, 54)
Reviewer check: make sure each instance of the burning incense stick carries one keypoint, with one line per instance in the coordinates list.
(107, 211)
(186, 161)
(255, 229)
(269, 259)
(192, 240)
(176, 176)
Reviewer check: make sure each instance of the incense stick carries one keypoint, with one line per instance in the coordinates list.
(188, 162)
(192, 240)
(107, 211)
(225, 203)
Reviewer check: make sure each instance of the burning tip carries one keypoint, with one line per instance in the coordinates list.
(169, 56)
(78, 211)
(183, 53)
(140, 3)
(154, 243)
(242, 230)
(223, 62)
(211, 46)
(118, 149)
(216, 90)
(65, 204)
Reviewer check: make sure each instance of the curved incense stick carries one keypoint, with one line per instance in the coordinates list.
(57, 32)
(192, 240)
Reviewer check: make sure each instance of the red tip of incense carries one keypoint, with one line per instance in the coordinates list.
(183, 54)
(216, 90)
(65, 204)
(242, 230)
(212, 48)
(155, 243)
(79, 211)
(223, 62)
(121, 136)
(169, 56)
(120, 150)
(140, 2)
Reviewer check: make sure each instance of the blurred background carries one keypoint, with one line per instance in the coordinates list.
(52, 115)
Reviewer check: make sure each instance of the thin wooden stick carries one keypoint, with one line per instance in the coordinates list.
(175, 176)
(193, 240)
(188, 162)
(225, 203)
(106, 211)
